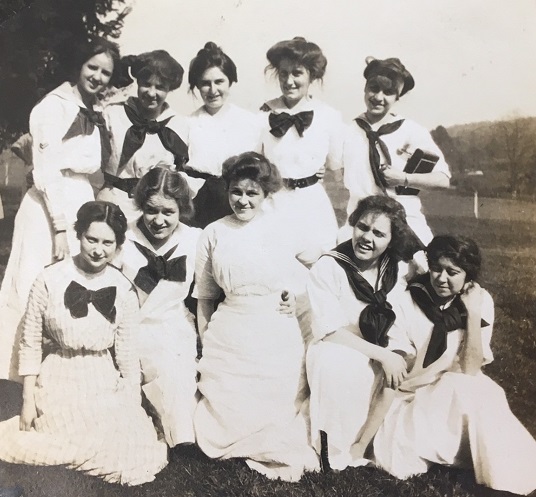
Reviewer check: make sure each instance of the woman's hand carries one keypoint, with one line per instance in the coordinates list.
(321, 172)
(61, 246)
(471, 296)
(393, 176)
(287, 304)
(27, 415)
(394, 367)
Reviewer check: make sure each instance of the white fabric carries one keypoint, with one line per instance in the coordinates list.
(441, 415)
(252, 381)
(358, 177)
(342, 380)
(167, 338)
(61, 170)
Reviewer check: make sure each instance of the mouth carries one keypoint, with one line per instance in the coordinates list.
(363, 247)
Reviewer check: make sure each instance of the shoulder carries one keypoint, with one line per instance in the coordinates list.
(272, 105)
(54, 101)
(119, 279)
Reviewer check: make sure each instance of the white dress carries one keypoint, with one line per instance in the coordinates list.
(443, 416)
(61, 186)
(308, 210)
(252, 382)
(151, 153)
(89, 414)
(167, 340)
(358, 177)
(342, 380)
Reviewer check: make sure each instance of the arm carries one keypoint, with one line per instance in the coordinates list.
(426, 181)
(205, 309)
(29, 411)
(471, 355)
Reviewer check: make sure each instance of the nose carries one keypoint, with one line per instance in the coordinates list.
(98, 251)
(213, 88)
(159, 220)
(442, 276)
(151, 91)
(243, 200)
(379, 95)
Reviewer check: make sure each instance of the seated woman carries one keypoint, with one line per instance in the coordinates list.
(353, 291)
(379, 144)
(78, 409)
(252, 380)
(144, 130)
(446, 410)
(159, 257)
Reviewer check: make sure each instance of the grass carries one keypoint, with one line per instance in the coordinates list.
(507, 236)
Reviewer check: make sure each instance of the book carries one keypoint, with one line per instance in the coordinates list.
(419, 163)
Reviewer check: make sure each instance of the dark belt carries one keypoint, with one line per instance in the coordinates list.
(126, 185)
(197, 174)
(293, 183)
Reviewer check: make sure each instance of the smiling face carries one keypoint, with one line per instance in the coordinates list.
(160, 218)
(379, 99)
(447, 279)
(214, 89)
(95, 74)
(245, 198)
(371, 237)
(294, 80)
(97, 247)
(152, 94)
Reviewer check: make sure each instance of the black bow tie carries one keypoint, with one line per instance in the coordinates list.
(78, 297)
(281, 123)
(159, 267)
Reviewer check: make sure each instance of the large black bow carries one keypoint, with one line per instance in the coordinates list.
(374, 139)
(135, 138)
(77, 298)
(159, 267)
(281, 123)
(452, 318)
(378, 316)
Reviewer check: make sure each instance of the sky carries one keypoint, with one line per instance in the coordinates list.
(472, 60)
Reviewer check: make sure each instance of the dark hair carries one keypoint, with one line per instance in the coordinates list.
(253, 166)
(389, 73)
(98, 211)
(300, 51)
(404, 243)
(156, 63)
(462, 251)
(211, 56)
(171, 184)
(82, 53)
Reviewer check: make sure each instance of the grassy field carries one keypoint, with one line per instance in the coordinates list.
(506, 232)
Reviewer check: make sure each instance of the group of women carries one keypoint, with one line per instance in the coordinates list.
(319, 346)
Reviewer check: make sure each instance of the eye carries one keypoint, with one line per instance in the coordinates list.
(452, 272)
(168, 212)
(434, 268)
(362, 226)
(379, 234)
(109, 243)
(90, 239)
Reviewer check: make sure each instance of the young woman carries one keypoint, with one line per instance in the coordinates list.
(252, 380)
(379, 144)
(159, 257)
(302, 136)
(144, 130)
(67, 131)
(446, 410)
(354, 291)
(218, 130)
(78, 409)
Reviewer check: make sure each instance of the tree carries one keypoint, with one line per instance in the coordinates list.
(38, 50)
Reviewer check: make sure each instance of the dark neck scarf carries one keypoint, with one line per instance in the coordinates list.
(452, 318)
(135, 138)
(377, 318)
(281, 123)
(159, 267)
(77, 298)
(375, 140)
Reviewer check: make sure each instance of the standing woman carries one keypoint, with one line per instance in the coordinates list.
(447, 411)
(159, 257)
(302, 136)
(81, 408)
(252, 380)
(144, 130)
(379, 144)
(218, 130)
(67, 131)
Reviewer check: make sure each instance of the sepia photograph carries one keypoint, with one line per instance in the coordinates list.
(263, 249)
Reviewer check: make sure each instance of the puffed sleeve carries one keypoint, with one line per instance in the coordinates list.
(324, 292)
(205, 284)
(126, 338)
(488, 315)
(31, 351)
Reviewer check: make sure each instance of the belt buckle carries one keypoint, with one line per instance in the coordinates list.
(300, 183)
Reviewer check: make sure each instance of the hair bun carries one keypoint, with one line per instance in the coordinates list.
(124, 74)
(211, 46)
(369, 59)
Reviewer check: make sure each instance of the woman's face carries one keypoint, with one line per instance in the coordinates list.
(214, 89)
(294, 80)
(447, 279)
(152, 94)
(160, 217)
(371, 236)
(379, 99)
(95, 74)
(97, 247)
(245, 198)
